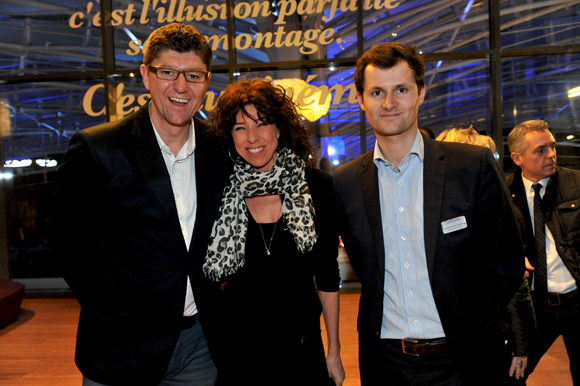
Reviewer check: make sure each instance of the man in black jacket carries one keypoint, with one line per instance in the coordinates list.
(133, 210)
(547, 201)
(429, 230)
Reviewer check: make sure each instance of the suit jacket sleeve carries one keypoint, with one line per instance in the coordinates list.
(521, 320)
(325, 250)
(76, 226)
(506, 249)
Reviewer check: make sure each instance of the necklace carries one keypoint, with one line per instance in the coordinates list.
(261, 232)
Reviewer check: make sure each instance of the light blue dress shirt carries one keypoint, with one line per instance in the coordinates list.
(409, 309)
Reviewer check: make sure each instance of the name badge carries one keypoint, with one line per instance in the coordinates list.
(454, 224)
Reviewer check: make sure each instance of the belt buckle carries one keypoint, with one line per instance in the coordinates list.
(557, 295)
(410, 341)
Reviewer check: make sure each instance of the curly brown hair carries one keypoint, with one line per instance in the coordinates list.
(274, 106)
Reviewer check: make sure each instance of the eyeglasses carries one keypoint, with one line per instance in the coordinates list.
(170, 73)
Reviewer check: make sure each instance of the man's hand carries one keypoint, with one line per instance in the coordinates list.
(528, 267)
(518, 367)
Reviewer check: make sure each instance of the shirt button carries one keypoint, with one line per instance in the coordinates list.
(401, 209)
(407, 265)
(414, 321)
(410, 293)
(400, 182)
(403, 237)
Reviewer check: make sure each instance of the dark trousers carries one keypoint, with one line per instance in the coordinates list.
(190, 363)
(554, 321)
(385, 364)
(477, 361)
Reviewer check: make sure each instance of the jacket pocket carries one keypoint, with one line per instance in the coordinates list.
(570, 205)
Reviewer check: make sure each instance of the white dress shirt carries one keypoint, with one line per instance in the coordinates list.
(559, 278)
(182, 174)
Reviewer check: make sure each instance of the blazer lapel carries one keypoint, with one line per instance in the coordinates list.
(434, 171)
(146, 150)
(370, 190)
(520, 200)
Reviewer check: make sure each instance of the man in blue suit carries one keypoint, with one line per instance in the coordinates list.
(134, 206)
(430, 232)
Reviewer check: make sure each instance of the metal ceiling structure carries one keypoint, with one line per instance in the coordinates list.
(46, 40)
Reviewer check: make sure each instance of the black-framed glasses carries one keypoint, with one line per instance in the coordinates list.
(170, 73)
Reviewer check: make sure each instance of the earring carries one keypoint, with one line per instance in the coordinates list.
(230, 154)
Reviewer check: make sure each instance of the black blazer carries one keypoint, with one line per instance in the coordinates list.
(472, 271)
(117, 237)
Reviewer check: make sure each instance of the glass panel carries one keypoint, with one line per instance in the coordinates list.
(544, 87)
(534, 23)
(39, 118)
(217, 84)
(457, 96)
(44, 37)
(281, 31)
(135, 20)
(37, 122)
(433, 26)
(328, 100)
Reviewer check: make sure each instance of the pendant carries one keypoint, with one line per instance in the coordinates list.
(268, 252)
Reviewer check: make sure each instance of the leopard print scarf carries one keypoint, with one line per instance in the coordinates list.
(227, 244)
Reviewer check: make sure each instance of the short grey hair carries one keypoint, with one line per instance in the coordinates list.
(517, 137)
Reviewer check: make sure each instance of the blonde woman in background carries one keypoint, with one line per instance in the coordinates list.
(469, 135)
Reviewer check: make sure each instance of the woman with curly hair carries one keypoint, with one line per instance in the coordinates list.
(274, 238)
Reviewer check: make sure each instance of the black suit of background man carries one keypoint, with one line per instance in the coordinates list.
(533, 149)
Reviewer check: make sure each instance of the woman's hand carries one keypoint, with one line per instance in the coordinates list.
(330, 311)
(335, 369)
(518, 367)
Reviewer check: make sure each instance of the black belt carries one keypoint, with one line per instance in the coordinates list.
(555, 299)
(418, 347)
(187, 322)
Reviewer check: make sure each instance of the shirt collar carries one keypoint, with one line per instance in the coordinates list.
(417, 149)
(528, 184)
(186, 150)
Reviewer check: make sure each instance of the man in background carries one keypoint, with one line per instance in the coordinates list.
(547, 201)
(429, 231)
(134, 206)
